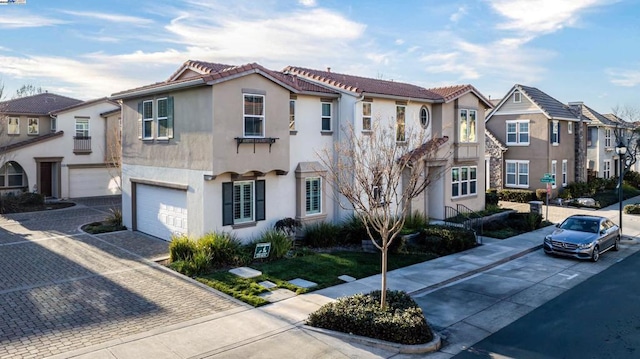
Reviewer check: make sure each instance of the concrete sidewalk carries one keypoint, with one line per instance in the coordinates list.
(465, 296)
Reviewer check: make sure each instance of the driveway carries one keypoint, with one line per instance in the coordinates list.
(62, 289)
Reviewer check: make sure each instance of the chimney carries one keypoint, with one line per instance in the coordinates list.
(576, 103)
(328, 69)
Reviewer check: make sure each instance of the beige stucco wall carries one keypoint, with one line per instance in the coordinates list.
(44, 126)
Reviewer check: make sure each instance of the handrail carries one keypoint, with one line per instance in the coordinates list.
(474, 220)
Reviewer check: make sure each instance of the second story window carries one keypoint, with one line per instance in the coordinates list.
(147, 119)
(400, 123)
(82, 128)
(424, 117)
(254, 116)
(33, 128)
(162, 117)
(14, 126)
(292, 115)
(326, 116)
(607, 137)
(554, 134)
(518, 133)
(570, 127)
(366, 116)
(467, 126)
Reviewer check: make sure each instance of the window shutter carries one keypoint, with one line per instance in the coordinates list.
(170, 116)
(260, 200)
(140, 120)
(227, 203)
(559, 131)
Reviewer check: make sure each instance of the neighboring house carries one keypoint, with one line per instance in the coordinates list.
(542, 135)
(234, 148)
(53, 144)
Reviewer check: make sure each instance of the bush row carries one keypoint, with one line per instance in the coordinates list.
(442, 240)
(14, 202)
(401, 321)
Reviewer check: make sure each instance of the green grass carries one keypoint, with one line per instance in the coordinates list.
(321, 268)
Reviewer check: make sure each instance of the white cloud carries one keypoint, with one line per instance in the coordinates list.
(624, 77)
(399, 42)
(132, 20)
(25, 21)
(455, 17)
(541, 16)
(308, 3)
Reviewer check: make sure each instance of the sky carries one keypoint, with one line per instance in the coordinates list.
(574, 50)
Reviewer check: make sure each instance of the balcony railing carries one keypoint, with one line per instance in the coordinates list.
(82, 144)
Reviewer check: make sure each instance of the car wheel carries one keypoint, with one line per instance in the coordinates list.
(616, 244)
(595, 255)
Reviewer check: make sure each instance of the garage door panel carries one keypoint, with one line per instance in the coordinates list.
(160, 211)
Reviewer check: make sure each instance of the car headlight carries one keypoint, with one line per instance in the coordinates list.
(547, 239)
(585, 245)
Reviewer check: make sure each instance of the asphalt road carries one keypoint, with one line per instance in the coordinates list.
(598, 318)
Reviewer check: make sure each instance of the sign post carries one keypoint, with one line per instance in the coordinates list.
(262, 250)
(548, 179)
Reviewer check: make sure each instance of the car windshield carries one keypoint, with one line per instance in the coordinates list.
(580, 224)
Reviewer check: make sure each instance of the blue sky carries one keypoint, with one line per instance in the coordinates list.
(575, 50)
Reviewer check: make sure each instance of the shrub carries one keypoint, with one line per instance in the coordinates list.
(198, 264)
(352, 231)
(30, 199)
(321, 234)
(221, 248)
(633, 178)
(491, 197)
(445, 240)
(533, 220)
(287, 226)
(281, 244)
(402, 321)
(181, 248)
(416, 221)
(516, 195)
(541, 194)
(632, 208)
(115, 217)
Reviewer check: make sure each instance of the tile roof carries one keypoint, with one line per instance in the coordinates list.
(31, 141)
(450, 93)
(362, 85)
(552, 107)
(594, 116)
(428, 147)
(40, 104)
(617, 120)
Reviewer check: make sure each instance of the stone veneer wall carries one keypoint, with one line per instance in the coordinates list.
(495, 163)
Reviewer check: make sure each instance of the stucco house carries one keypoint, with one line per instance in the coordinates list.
(542, 135)
(234, 148)
(55, 145)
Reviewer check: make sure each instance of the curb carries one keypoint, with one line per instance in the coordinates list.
(432, 346)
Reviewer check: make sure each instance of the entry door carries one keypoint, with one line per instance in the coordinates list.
(46, 170)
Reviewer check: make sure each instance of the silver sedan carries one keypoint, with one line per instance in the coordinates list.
(584, 237)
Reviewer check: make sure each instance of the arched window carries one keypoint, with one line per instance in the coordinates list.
(424, 117)
(11, 175)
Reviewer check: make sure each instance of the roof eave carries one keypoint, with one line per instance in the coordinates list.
(156, 89)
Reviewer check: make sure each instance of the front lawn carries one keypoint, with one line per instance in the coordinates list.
(321, 268)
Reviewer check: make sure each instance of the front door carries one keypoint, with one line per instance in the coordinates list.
(46, 169)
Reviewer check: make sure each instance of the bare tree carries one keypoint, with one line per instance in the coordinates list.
(378, 177)
(113, 150)
(627, 132)
(27, 90)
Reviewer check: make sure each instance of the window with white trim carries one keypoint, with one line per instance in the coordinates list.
(33, 127)
(555, 132)
(554, 169)
(313, 195)
(518, 132)
(11, 175)
(606, 169)
(564, 173)
(464, 181)
(366, 116)
(163, 119)
(400, 123)
(326, 116)
(147, 119)
(13, 127)
(517, 173)
(253, 113)
(467, 126)
(517, 97)
(292, 115)
(570, 127)
(242, 202)
(607, 137)
(53, 124)
(82, 128)
(424, 117)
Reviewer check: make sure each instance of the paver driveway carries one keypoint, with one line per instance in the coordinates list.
(61, 289)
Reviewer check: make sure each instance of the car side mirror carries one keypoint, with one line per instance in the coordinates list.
(603, 231)
(558, 225)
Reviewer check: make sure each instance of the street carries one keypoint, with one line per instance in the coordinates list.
(598, 318)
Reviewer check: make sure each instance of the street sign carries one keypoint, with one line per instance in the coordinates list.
(547, 178)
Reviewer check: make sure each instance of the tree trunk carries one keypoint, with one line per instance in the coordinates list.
(383, 294)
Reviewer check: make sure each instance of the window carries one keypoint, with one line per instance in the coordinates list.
(517, 97)
(400, 123)
(607, 137)
(366, 116)
(243, 202)
(564, 173)
(313, 190)
(14, 126)
(326, 116)
(518, 132)
(163, 119)
(82, 128)
(33, 128)
(570, 127)
(555, 133)
(592, 136)
(11, 175)
(554, 168)
(53, 124)
(464, 181)
(467, 126)
(292, 115)
(147, 119)
(253, 116)
(424, 117)
(606, 169)
(517, 173)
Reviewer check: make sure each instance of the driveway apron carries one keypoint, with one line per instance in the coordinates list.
(62, 289)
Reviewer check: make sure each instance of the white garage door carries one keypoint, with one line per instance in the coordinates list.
(91, 182)
(161, 211)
